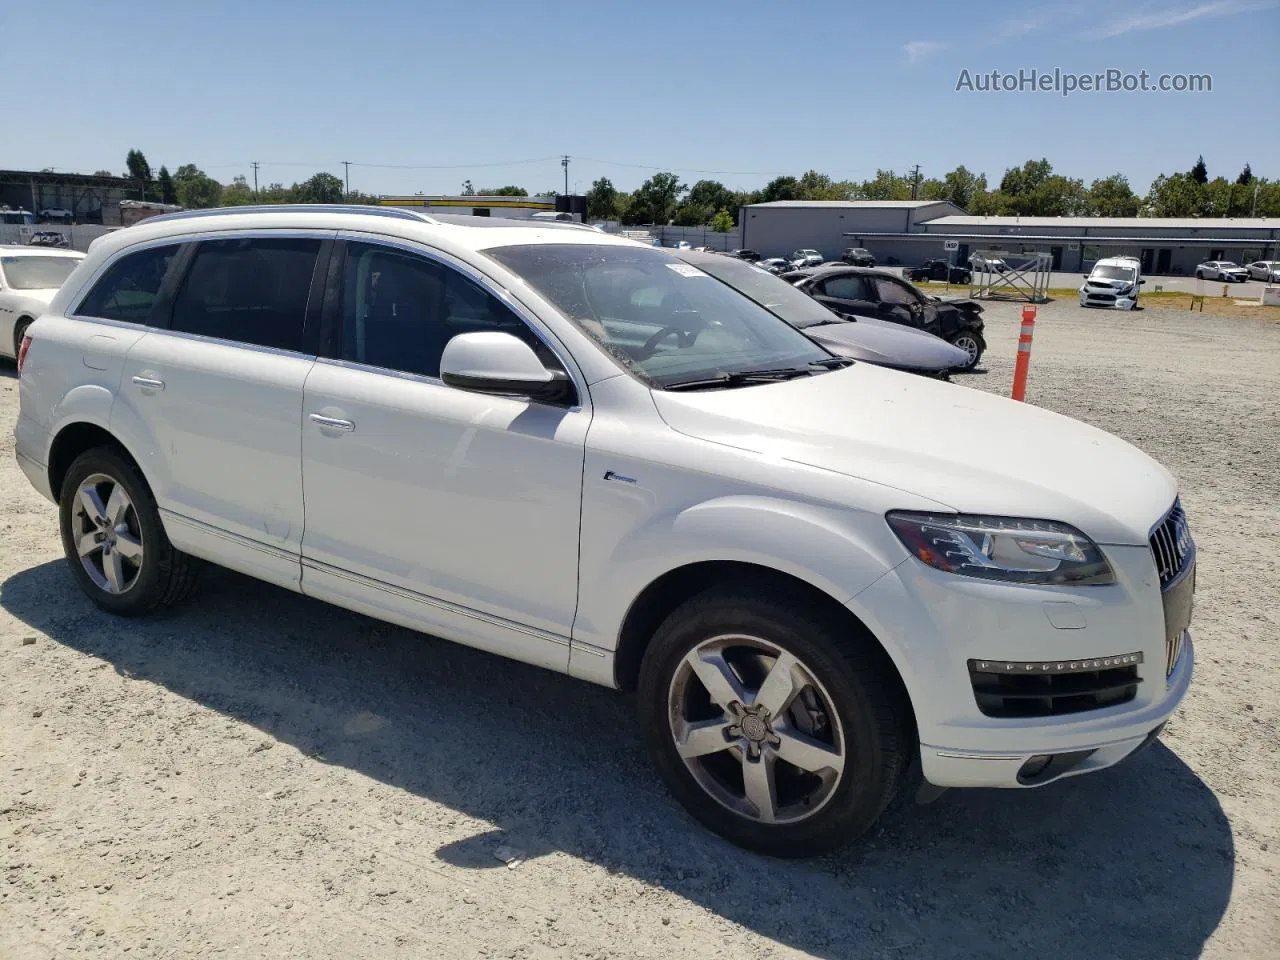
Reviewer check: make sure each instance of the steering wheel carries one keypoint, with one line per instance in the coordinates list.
(684, 337)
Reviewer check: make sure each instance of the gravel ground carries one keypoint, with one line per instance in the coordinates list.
(259, 775)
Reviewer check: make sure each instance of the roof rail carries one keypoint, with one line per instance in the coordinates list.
(353, 209)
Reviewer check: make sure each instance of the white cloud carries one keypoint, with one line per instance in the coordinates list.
(917, 50)
(1017, 28)
(1153, 18)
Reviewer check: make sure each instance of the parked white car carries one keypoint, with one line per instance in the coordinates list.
(1268, 271)
(1113, 282)
(29, 277)
(989, 264)
(1221, 270)
(586, 454)
(806, 258)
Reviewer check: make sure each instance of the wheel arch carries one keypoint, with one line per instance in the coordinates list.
(663, 595)
(74, 439)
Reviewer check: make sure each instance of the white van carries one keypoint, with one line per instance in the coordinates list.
(1113, 282)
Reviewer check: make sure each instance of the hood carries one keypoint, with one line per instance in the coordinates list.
(974, 452)
(888, 344)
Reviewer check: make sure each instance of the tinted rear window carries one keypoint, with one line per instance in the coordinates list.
(129, 289)
(251, 290)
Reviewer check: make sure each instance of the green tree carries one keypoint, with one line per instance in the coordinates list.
(885, 185)
(508, 191)
(691, 214)
(168, 192)
(195, 189)
(1034, 190)
(711, 194)
(139, 171)
(1174, 195)
(779, 188)
(321, 188)
(602, 200)
(467, 189)
(103, 173)
(1199, 172)
(1112, 197)
(238, 193)
(813, 185)
(722, 222)
(655, 200)
(1246, 176)
(960, 186)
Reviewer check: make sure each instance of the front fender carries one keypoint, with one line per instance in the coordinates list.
(838, 550)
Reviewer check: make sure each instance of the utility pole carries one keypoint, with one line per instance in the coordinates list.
(254, 164)
(346, 165)
(564, 162)
(915, 180)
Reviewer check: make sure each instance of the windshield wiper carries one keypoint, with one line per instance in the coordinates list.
(746, 378)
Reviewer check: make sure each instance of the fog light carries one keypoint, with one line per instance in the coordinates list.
(1033, 768)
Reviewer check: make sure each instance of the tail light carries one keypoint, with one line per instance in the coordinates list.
(22, 352)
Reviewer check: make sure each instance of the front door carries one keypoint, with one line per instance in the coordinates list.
(447, 511)
(848, 293)
(218, 397)
(1147, 259)
(1162, 261)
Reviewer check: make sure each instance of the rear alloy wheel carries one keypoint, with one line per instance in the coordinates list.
(114, 540)
(771, 725)
(973, 346)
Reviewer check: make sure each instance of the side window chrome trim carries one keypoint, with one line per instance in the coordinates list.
(238, 344)
(523, 313)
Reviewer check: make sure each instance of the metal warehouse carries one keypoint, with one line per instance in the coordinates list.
(909, 231)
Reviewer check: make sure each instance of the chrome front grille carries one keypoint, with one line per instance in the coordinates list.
(1171, 545)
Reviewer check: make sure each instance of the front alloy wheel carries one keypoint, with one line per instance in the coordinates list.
(972, 345)
(774, 720)
(756, 729)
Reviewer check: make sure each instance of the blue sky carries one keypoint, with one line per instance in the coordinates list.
(736, 91)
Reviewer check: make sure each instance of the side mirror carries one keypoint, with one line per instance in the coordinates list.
(502, 365)
(1085, 275)
(1141, 282)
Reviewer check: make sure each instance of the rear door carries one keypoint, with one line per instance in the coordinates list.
(216, 397)
(849, 293)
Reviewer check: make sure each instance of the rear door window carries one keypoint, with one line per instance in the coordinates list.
(847, 288)
(129, 289)
(249, 289)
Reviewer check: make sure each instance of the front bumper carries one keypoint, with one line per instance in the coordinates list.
(1101, 748)
(1101, 298)
(933, 624)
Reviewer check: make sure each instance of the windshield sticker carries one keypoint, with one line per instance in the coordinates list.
(685, 270)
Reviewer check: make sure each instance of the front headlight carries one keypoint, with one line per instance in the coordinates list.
(1002, 548)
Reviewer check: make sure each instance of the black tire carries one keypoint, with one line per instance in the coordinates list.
(865, 693)
(164, 576)
(981, 345)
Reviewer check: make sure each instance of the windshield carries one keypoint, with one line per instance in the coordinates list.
(37, 273)
(663, 319)
(775, 295)
(1226, 264)
(1107, 272)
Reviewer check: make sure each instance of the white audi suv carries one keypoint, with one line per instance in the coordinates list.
(827, 582)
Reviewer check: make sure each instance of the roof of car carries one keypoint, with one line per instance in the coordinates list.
(16, 250)
(825, 269)
(461, 232)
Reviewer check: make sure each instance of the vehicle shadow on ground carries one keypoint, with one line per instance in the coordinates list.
(1133, 862)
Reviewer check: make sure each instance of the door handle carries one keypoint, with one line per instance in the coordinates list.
(331, 423)
(149, 383)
